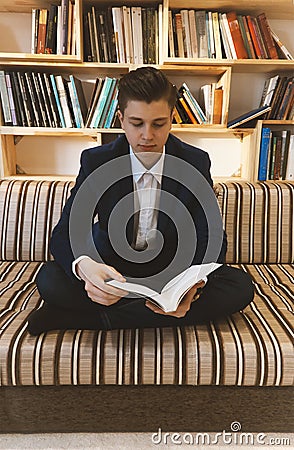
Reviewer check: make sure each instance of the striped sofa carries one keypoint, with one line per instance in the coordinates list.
(185, 378)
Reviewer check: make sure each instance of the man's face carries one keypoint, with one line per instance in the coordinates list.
(146, 125)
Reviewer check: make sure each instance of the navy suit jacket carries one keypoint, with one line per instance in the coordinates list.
(94, 175)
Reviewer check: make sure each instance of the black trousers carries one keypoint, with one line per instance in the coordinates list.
(68, 306)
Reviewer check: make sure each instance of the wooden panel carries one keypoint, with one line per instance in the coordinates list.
(8, 152)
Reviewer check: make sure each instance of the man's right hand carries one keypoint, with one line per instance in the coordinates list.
(94, 275)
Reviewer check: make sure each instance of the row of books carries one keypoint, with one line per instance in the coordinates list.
(122, 34)
(33, 99)
(54, 29)
(189, 111)
(278, 93)
(276, 156)
(210, 34)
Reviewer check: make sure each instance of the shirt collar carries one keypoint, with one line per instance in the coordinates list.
(139, 169)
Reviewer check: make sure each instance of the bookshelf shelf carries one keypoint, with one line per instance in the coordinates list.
(239, 65)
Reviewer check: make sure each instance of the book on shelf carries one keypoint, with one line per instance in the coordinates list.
(53, 30)
(278, 93)
(290, 160)
(7, 116)
(222, 35)
(249, 116)
(173, 292)
(264, 154)
(274, 154)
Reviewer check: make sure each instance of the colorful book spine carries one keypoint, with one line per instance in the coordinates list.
(264, 153)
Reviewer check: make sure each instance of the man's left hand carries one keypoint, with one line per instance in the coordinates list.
(183, 307)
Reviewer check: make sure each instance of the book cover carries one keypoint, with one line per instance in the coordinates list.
(173, 292)
(248, 116)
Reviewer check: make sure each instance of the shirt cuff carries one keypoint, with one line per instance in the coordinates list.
(75, 262)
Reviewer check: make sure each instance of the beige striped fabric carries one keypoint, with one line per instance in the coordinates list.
(258, 218)
(250, 348)
(28, 212)
(259, 221)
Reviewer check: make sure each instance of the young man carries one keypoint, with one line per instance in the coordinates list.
(139, 179)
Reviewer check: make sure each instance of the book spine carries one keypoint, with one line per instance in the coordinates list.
(59, 31)
(50, 45)
(267, 36)
(196, 104)
(35, 27)
(40, 100)
(251, 51)
(103, 36)
(60, 84)
(217, 38)
(26, 100)
(192, 27)
(261, 44)
(5, 100)
(34, 100)
(15, 99)
(254, 38)
(57, 100)
(201, 34)
(42, 31)
(101, 102)
(290, 162)
(18, 99)
(229, 36)
(224, 38)
(64, 25)
(112, 109)
(45, 94)
(264, 153)
(11, 99)
(286, 154)
(179, 34)
(118, 32)
(236, 35)
(217, 106)
(94, 34)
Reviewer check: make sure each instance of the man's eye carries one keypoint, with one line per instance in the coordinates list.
(137, 124)
(158, 125)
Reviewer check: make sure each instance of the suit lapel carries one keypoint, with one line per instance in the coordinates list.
(170, 185)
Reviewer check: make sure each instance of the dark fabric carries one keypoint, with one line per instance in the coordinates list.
(228, 290)
(49, 409)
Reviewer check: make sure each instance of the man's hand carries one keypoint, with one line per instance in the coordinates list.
(183, 307)
(94, 275)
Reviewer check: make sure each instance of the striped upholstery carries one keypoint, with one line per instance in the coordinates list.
(253, 347)
(261, 214)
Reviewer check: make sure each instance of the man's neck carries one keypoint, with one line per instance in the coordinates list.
(148, 159)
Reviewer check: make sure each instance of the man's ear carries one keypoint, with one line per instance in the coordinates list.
(120, 117)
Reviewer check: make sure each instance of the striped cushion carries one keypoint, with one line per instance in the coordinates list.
(258, 219)
(254, 347)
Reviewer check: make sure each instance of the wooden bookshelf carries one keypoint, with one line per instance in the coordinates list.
(221, 71)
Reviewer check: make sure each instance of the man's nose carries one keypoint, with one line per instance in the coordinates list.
(147, 132)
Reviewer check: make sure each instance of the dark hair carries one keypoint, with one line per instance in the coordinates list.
(145, 84)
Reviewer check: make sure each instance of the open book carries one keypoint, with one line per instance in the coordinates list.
(173, 292)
